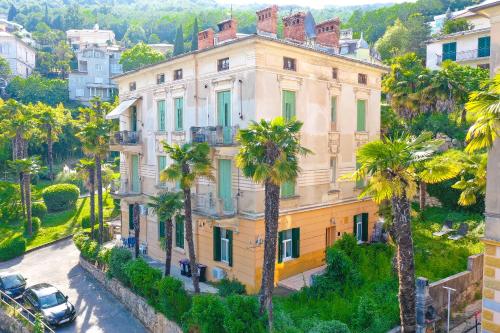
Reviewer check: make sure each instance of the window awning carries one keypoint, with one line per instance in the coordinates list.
(122, 107)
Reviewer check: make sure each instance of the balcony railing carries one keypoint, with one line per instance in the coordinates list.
(209, 204)
(463, 55)
(215, 135)
(125, 138)
(123, 188)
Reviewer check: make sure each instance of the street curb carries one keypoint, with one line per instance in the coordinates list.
(46, 244)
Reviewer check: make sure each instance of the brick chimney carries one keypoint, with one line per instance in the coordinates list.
(206, 39)
(328, 33)
(227, 30)
(294, 27)
(267, 21)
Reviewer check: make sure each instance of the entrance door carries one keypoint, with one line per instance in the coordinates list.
(331, 235)
(359, 227)
(225, 184)
(224, 114)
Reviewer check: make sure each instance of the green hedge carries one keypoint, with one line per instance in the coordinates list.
(143, 279)
(60, 197)
(228, 287)
(35, 226)
(12, 248)
(39, 209)
(86, 221)
(90, 249)
(117, 260)
(173, 300)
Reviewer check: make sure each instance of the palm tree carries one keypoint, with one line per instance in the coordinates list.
(167, 206)
(27, 167)
(190, 161)
(269, 155)
(87, 167)
(94, 131)
(472, 181)
(52, 121)
(392, 165)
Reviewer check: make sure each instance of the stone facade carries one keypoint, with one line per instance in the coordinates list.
(154, 321)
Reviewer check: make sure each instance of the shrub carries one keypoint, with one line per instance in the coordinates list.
(12, 248)
(86, 221)
(328, 326)
(243, 315)
(79, 238)
(282, 322)
(90, 249)
(35, 226)
(143, 278)
(367, 319)
(231, 287)
(173, 299)
(206, 315)
(349, 245)
(38, 209)
(60, 197)
(117, 260)
(448, 197)
(103, 256)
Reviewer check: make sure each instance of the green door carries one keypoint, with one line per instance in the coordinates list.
(483, 46)
(288, 104)
(133, 118)
(450, 51)
(161, 115)
(179, 114)
(224, 114)
(135, 174)
(361, 116)
(225, 184)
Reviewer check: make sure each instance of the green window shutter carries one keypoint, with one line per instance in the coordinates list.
(483, 46)
(449, 51)
(135, 173)
(295, 242)
(162, 164)
(225, 186)
(161, 229)
(224, 108)
(179, 234)
(364, 219)
(133, 118)
(287, 189)
(280, 246)
(179, 105)
(333, 115)
(161, 115)
(217, 243)
(131, 217)
(230, 250)
(361, 115)
(354, 225)
(289, 104)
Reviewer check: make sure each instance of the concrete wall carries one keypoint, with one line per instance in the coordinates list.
(154, 322)
(11, 325)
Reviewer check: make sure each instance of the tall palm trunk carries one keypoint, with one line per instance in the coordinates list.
(271, 215)
(190, 236)
(168, 246)
(99, 197)
(91, 172)
(50, 157)
(405, 263)
(422, 195)
(27, 191)
(137, 226)
(17, 153)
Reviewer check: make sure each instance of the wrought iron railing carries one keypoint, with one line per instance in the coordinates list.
(123, 187)
(463, 55)
(215, 135)
(209, 204)
(125, 138)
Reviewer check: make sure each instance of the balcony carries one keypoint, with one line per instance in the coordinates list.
(463, 56)
(215, 135)
(125, 141)
(208, 204)
(121, 188)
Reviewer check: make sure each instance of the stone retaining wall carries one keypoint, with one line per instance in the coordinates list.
(151, 319)
(11, 325)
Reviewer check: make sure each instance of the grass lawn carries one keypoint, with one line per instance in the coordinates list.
(58, 225)
(435, 258)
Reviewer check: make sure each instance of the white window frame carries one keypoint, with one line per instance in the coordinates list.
(359, 228)
(286, 241)
(224, 246)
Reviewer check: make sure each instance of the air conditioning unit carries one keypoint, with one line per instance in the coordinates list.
(143, 209)
(218, 273)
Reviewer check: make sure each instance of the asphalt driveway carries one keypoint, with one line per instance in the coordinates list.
(98, 310)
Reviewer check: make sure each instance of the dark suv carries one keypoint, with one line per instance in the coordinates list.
(47, 300)
(12, 285)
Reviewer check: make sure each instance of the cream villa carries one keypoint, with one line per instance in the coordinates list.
(206, 96)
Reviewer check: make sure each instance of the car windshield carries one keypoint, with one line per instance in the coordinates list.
(12, 281)
(49, 301)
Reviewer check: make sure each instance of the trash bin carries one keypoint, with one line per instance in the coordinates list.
(185, 269)
(202, 272)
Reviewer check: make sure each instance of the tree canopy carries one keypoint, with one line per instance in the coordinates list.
(140, 55)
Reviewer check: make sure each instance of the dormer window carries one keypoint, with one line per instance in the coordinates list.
(178, 74)
(362, 78)
(289, 64)
(160, 78)
(131, 86)
(223, 64)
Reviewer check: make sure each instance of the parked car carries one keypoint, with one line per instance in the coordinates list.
(52, 304)
(12, 284)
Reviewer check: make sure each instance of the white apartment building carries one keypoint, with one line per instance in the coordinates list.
(20, 55)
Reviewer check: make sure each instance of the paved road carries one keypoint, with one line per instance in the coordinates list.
(98, 310)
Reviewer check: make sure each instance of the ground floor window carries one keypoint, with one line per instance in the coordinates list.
(360, 228)
(288, 244)
(179, 234)
(223, 245)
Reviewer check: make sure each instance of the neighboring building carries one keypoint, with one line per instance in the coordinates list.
(357, 48)
(97, 60)
(491, 274)
(17, 30)
(206, 96)
(470, 47)
(163, 48)
(20, 55)
(84, 37)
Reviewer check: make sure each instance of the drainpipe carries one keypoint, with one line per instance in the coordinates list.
(241, 98)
